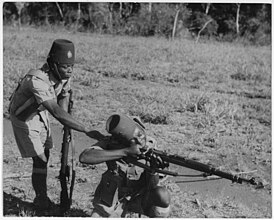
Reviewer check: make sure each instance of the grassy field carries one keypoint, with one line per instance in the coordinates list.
(207, 101)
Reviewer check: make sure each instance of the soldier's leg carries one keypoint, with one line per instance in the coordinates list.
(158, 204)
(39, 180)
(154, 203)
(35, 143)
(156, 200)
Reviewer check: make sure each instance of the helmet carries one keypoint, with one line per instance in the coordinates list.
(125, 129)
(62, 52)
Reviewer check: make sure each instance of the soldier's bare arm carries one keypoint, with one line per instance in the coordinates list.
(63, 117)
(66, 119)
(95, 156)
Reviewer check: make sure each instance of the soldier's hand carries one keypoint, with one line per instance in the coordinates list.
(157, 162)
(133, 149)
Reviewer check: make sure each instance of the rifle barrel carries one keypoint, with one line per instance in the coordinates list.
(137, 163)
(181, 161)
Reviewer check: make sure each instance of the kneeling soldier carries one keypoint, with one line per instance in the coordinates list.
(125, 188)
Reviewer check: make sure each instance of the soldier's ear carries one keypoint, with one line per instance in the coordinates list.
(138, 121)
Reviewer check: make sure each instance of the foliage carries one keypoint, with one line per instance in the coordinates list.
(149, 19)
(140, 25)
(198, 19)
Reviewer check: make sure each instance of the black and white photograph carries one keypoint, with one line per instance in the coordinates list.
(137, 109)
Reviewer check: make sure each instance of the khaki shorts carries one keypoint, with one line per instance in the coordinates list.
(32, 137)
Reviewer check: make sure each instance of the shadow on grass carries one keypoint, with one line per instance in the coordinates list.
(14, 206)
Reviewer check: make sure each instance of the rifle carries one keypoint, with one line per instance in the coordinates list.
(64, 175)
(123, 127)
(157, 161)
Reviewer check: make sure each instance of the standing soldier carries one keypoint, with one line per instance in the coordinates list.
(39, 92)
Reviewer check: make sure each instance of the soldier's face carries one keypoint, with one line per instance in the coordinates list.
(65, 70)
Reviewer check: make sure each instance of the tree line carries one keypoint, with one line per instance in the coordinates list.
(220, 21)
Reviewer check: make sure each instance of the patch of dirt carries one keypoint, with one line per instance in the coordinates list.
(191, 197)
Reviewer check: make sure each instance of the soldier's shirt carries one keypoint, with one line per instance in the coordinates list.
(42, 87)
(33, 133)
(43, 92)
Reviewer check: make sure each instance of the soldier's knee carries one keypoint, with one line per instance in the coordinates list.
(160, 196)
(159, 202)
(40, 161)
(158, 212)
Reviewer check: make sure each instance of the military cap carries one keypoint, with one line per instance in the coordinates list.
(62, 52)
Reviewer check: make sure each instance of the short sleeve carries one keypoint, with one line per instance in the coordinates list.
(42, 91)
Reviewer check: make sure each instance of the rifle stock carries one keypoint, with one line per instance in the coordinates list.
(73, 175)
(64, 175)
